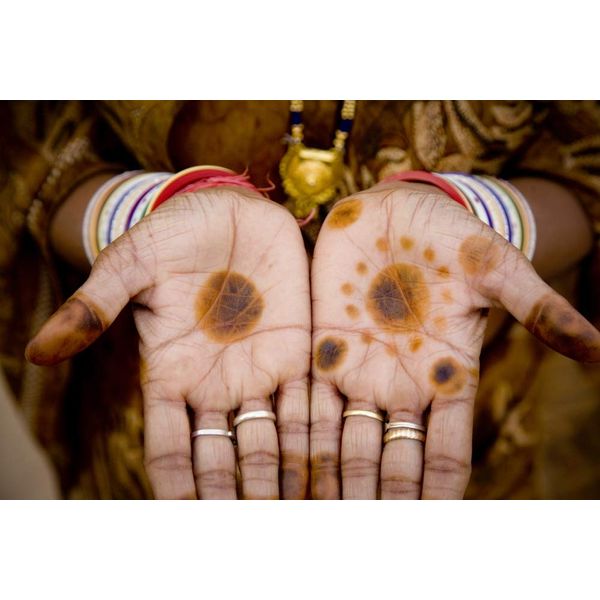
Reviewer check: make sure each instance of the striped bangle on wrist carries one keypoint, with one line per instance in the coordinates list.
(125, 199)
(496, 202)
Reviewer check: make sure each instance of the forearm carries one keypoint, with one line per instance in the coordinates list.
(66, 227)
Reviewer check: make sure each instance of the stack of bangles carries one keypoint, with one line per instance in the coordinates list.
(126, 198)
(494, 201)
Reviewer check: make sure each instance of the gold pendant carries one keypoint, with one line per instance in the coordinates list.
(310, 176)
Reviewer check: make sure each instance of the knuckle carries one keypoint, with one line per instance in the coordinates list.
(359, 467)
(215, 479)
(400, 486)
(173, 461)
(448, 466)
(259, 459)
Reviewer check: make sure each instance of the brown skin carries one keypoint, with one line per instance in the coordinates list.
(546, 199)
(413, 352)
(219, 280)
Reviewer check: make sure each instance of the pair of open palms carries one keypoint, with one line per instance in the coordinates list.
(401, 282)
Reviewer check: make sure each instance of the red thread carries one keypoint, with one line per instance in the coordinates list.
(426, 177)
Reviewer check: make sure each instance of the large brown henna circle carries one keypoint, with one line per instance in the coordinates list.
(398, 297)
(228, 307)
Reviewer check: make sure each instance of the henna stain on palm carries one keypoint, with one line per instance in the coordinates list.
(366, 338)
(347, 288)
(447, 296)
(443, 272)
(344, 214)
(330, 353)
(429, 254)
(361, 268)
(391, 350)
(398, 297)
(478, 255)
(440, 323)
(73, 327)
(228, 307)
(406, 242)
(415, 343)
(352, 311)
(559, 325)
(448, 376)
(382, 244)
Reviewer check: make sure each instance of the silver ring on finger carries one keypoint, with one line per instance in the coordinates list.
(404, 425)
(363, 413)
(254, 414)
(403, 434)
(213, 432)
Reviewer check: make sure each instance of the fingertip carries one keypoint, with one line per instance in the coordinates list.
(556, 323)
(71, 329)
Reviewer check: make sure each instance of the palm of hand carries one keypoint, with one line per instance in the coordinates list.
(401, 282)
(219, 281)
(227, 320)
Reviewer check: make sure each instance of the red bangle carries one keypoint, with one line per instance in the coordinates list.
(426, 177)
(196, 178)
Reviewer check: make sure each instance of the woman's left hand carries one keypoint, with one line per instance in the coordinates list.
(402, 279)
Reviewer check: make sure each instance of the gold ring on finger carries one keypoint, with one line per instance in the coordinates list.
(404, 425)
(362, 413)
(403, 434)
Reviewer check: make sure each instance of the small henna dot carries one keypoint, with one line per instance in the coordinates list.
(444, 272)
(347, 288)
(366, 338)
(447, 296)
(406, 242)
(440, 323)
(330, 353)
(382, 245)
(429, 254)
(352, 311)
(361, 268)
(415, 344)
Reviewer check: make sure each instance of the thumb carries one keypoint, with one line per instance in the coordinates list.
(545, 313)
(115, 278)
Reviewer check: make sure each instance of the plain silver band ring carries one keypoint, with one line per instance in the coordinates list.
(213, 432)
(254, 414)
(404, 425)
(362, 413)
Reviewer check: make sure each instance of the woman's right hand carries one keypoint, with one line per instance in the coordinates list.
(219, 281)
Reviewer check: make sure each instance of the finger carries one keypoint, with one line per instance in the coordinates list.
(361, 453)
(258, 453)
(168, 457)
(115, 278)
(402, 463)
(448, 447)
(326, 405)
(504, 274)
(292, 427)
(549, 316)
(214, 459)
